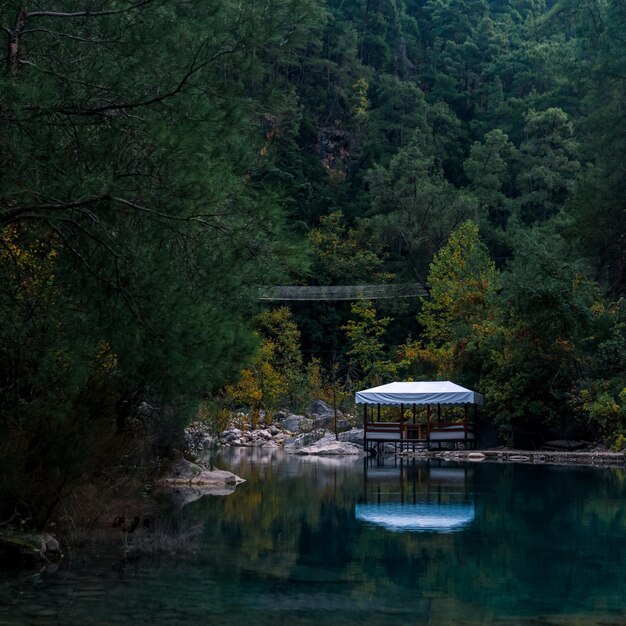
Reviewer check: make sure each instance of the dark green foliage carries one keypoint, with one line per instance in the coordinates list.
(511, 114)
(151, 151)
(135, 223)
(417, 207)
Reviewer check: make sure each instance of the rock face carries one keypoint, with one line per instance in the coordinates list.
(335, 148)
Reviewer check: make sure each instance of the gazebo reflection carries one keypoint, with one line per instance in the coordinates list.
(417, 496)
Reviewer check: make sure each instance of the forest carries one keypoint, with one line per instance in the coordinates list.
(162, 161)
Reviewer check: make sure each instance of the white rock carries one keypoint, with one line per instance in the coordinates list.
(331, 448)
(476, 456)
(184, 472)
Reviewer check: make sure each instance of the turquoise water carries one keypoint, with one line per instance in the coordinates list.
(329, 541)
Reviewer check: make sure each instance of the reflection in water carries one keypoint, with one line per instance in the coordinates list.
(417, 517)
(416, 496)
(545, 546)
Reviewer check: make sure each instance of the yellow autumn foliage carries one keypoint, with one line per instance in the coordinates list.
(29, 262)
(457, 314)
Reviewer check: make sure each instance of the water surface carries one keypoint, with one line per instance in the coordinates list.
(332, 541)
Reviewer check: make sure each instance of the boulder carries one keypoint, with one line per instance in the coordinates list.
(297, 424)
(50, 546)
(331, 447)
(354, 435)
(306, 439)
(344, 425)
(476, 456)
(230, 435)
(322, 409)
(183, 472)
(325, 422)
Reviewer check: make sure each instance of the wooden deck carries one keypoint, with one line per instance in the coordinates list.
(409, 433)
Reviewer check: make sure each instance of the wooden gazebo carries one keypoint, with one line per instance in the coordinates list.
(411, 432)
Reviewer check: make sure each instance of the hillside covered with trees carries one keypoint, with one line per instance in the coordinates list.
(161, 160)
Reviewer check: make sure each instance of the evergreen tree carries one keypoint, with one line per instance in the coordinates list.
(132, 227)
(548, 164)
(416, 208)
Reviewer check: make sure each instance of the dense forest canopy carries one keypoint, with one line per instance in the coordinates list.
(161, 159)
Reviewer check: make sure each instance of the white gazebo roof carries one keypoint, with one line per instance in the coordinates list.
(431, 392)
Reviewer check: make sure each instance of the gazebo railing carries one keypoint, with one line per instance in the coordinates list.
(407, 431)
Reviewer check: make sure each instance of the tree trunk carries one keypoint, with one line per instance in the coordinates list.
(14, 42)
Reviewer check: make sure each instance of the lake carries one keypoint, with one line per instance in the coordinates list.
(316, 541)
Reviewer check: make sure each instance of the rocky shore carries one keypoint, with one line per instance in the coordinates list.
(312, 433)
(309, 434)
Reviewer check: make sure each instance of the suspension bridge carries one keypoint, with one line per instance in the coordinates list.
(297, 293)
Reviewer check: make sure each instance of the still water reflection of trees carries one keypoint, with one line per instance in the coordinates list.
(543, 545)
(540, 539)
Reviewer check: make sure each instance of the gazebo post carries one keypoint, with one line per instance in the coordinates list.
(465, 422)
(364, 427)
(475, 425)
(428, 426)
(401, 425)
